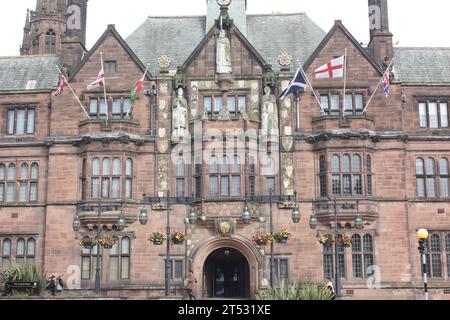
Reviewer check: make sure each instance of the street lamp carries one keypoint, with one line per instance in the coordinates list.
(246, 214)
(167, 273)
(359, 224)
(193, 216)
(143, 216)
(121, 225)
(422, 234)
(296, 210)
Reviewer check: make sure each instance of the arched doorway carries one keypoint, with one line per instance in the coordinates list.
(226, 274)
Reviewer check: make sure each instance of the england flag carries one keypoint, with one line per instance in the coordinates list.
(331, 70)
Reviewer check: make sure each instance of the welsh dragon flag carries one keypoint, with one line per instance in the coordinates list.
(136, 89)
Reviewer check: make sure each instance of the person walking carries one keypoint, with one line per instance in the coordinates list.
(190, 283)
(51, 286)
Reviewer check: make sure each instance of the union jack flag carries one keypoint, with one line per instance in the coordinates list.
(387, 84)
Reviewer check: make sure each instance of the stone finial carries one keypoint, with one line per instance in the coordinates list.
(164, 63)
(224, 3)
(284, 60)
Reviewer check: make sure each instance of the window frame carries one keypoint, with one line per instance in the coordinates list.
(26, 123)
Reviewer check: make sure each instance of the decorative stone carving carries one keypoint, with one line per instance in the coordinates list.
(194, 99)
(164, 63)
(284, 59)
(287, 143)
(164, 88)
(287, 166)
(225, 227)
(162, 174)
(224, 3)
(224, 114)
(223, 58)
(179, 117)
(269, 118)
(163, 145)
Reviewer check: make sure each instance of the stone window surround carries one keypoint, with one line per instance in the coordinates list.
(348, 253)
(12, 257)
(213, 94)
(363, 172)
(87, 180)
(438, 114)
(17, 181)
(436, 175)
(27, 109)
(104, 261)
(330, 92)
(110, 97)
(443, 253)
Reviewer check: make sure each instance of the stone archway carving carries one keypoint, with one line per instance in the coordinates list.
(204, 248)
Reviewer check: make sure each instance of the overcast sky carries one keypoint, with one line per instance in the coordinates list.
(413, 22)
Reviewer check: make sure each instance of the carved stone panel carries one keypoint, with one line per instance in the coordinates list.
(287, 168)
(225, 227)
(162, 169)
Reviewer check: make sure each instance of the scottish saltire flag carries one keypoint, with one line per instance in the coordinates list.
(298, 84)
(387, 84)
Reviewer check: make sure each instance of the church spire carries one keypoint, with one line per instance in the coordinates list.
(51, 6)
(25, 48)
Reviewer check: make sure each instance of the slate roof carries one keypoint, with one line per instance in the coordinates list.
(15, 72)
(269, 34)
(422, 65)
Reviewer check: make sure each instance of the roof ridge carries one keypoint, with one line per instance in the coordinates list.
(31, 56)
(422, 48)
(176, 17)
(275, 14)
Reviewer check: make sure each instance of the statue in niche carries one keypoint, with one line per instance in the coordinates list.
(269, 116)
(223, 58)
(179, 117)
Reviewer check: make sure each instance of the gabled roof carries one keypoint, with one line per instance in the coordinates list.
(270, 35)
(111, 29)
(339, 26)
(430, 66)
(238, 34)
(16, 72)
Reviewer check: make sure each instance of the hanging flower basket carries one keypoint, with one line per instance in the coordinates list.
(282, 237)
(326, 240)
(88, 243)
(156, 239)
(178, 238)
(107, 242)
(262, 239)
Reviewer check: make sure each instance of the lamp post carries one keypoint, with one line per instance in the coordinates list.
(359, 224)
(422, 234)
(167, 273)
(121, 225)
(246, 217)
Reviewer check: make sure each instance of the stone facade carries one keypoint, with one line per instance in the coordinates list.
(70, 150)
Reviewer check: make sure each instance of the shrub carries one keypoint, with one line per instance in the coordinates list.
(25, 273)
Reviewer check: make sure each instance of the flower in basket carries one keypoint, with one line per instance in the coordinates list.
(262, 238)
(157, 238)
(107, 241)
(88, 243)
(326, 240)
(178, 237)
(346, 241)
(282, 236)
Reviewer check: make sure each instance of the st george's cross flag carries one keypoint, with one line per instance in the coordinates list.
(62, 84)
(297, 84)
(331, 70)
(100, 82)
(387, 84)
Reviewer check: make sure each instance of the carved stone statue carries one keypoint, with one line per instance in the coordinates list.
(179, 117)
(223, 58)
(269, 111)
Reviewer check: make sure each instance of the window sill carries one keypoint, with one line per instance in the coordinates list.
(110, 121)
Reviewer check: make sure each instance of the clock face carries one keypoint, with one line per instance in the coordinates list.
(224, 3)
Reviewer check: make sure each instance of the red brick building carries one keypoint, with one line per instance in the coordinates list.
(208, 145)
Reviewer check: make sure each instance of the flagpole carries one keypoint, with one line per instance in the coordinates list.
(143, 77)
(378, 85)
(312, 89)
(73, 92)
(104, 88)
(345, 82)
